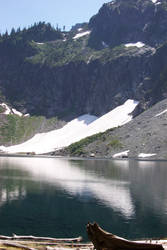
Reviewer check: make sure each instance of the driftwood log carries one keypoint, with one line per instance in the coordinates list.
(34, 238)
(104, 240)
(16, 245)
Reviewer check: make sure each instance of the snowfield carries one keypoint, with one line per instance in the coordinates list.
(75, 130)
(77, 36)
(143, 155)
(163, 112)
(138, 45)
(121, 154)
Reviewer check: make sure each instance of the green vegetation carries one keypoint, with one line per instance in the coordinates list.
(78, 148)
(60, 52)
(40, 32)
(17, 129)
(2, 109)
(115, 143)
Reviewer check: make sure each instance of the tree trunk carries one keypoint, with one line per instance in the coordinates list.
(104, 240)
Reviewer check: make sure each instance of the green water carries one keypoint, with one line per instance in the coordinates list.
(57, 197)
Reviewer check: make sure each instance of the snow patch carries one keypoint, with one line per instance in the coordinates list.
(17, 112)
(81, 34)
(163, 112)
(27, 115)
(121, 154)
(143, 155)
(155, 2)
(105, 45)
(75, 130)
(138, 45)
(9, 110)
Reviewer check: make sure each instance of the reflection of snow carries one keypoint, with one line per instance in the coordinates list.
(146, 164)
(6, 195)
(78, 182)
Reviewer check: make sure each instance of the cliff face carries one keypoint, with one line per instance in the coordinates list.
(78, 87)
(130, 21)
(91, 69)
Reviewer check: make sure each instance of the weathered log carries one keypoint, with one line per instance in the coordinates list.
(18, 246)
(104, 240)
(30, 237)
(63, 244)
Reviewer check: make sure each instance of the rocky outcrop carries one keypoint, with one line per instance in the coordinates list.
(120, 22)
(144, 136)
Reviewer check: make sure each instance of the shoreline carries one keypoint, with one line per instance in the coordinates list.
(81, 158)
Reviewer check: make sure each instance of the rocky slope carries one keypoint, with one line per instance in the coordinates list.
(145, 134)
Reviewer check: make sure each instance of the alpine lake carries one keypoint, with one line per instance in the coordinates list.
(57, 197)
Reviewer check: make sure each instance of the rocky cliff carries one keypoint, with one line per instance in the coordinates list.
(129, 21)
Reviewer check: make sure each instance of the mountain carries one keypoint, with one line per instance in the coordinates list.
(128, 21)
(92, 69)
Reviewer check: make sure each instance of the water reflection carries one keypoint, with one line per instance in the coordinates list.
(148, 179)
(10, 195)
(55, 197)
(77, 181)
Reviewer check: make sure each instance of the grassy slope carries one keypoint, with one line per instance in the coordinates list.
(15, 129)
(93, 144)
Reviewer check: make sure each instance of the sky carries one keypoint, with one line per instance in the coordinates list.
(24, 13)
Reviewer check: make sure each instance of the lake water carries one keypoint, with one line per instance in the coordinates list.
(57, 197)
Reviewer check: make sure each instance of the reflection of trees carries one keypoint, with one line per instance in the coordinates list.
(7, 195)
(148, 188)
(148, 184)
(108, 169)
(12, 181)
